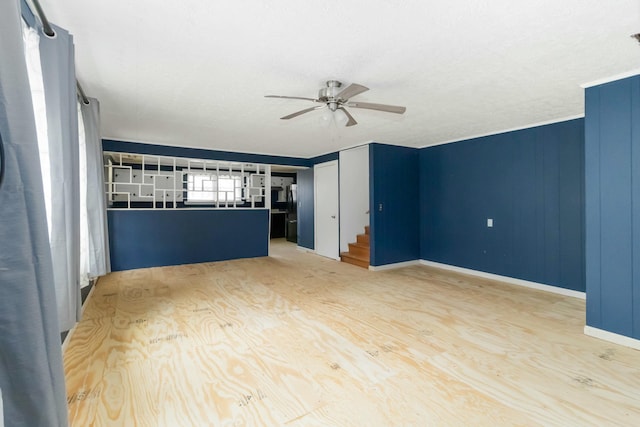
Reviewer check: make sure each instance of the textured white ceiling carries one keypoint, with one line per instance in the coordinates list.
(194, 73)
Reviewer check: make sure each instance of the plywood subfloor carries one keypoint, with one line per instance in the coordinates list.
(298, 340)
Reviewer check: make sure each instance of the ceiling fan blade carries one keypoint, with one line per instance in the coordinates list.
(351, 121)
(380, 107)
(291, 97)
(352, 90)
(297, 113)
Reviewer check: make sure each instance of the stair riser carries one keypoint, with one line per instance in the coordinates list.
(359, 251)
(356, 262)
(363, 238)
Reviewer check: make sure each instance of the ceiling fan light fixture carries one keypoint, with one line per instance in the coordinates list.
(337, 99)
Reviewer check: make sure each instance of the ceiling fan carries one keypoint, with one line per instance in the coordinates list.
(336, 99)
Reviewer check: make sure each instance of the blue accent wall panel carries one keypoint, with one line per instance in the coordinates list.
(393, 183)
(151, 238)
(635, 196)
(530, 182)
(612, 180)
(306, 236)
(592, 207)
(615, 205)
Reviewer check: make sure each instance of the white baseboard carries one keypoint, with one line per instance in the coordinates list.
(612, 337)
(93, 288)
(393, 266)
(312, 251)
(510, 280)
(67, 338)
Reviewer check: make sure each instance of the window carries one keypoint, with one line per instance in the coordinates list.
(205, 187)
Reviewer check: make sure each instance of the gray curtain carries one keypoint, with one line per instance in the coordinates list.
(31, 374)
(58, 74)
(99, 262)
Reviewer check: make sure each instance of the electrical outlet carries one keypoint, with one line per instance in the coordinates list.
(489, 222)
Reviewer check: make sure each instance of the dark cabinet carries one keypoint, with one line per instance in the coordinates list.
(292, 230)
(278, 224)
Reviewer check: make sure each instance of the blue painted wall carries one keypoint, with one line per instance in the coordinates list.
(305, 209)
(612, 166)
(393, 183)
(324, 158)
(198, 153)
(530, 182)
(150, 238)
(228, 234)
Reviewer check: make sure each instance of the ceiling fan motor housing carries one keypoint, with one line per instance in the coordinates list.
(328, 94)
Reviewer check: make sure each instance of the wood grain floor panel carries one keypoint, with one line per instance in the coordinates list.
(103, 301)
(295, 339)
(84, 367)
(129, 396)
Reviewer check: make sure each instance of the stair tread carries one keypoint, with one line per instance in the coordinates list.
(360, 244)
(350, 255)
(362, 250)
(359, 251)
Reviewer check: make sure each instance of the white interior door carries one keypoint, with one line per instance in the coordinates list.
(327, 231)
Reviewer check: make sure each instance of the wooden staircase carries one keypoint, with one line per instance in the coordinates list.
(359, 251)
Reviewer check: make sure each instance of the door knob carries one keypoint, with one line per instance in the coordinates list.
(333, 216)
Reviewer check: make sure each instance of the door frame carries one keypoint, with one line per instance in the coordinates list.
(354, 193)
(335, 163)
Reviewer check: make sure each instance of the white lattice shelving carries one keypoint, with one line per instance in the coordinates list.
(171, 182)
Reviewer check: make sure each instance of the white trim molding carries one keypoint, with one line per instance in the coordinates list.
(510, 280)
(303, 249)
(67, 338)
(70, 332)
(514, 129)
(393, 266)
(612, 337)
(610, 79)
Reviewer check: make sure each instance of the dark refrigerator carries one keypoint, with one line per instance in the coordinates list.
(291, 230)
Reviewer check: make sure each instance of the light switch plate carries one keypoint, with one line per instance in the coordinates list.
(489, 222)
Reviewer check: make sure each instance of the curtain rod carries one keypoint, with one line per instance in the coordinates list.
(46, 28)
(81, 94)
